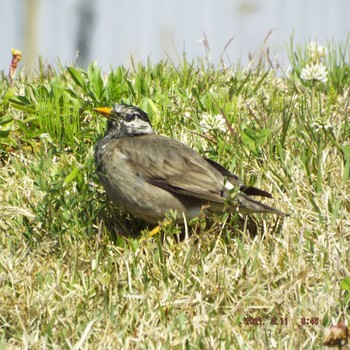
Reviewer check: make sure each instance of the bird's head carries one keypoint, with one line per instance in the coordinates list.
(126, 120)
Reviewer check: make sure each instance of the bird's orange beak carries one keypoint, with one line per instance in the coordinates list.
(105, 111)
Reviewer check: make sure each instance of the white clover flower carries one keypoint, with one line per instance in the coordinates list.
(314, 71)
(316, 52)
(187, 114)
(212, 122)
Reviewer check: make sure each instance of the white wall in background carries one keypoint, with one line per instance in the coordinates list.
(117, 29)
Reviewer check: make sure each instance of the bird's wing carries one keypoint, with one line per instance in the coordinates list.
(171, 165)
(236, 181)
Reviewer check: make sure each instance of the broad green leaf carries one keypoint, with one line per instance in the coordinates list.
(248, 140)
(155, 110)
(254, 139)
(6, 119)
(23, 127)
(8, 94)
(77, 77)
(96, 81)
(345, 283)
(4, 133)
(74, 173)
(22, 103)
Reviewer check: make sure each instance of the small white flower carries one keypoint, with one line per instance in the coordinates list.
(316, 52)
(187, 114)
(212, 122)
(94, 264)
(318, 126)
(314, 71)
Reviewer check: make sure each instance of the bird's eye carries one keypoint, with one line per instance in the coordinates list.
(130, 117)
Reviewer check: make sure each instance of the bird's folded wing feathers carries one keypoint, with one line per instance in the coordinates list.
(236, 181)
(174, 167)
(187, 191)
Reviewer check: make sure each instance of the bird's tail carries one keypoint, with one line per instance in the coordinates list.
(248, 205)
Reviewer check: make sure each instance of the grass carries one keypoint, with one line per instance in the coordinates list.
(69, 279)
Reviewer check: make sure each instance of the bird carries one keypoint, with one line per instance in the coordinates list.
(148, 174)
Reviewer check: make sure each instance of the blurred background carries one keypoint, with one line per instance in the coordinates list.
(110, 32)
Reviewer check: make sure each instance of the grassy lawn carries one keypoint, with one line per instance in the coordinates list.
(76, 273)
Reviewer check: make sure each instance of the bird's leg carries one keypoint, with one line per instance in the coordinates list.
(155, 231)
